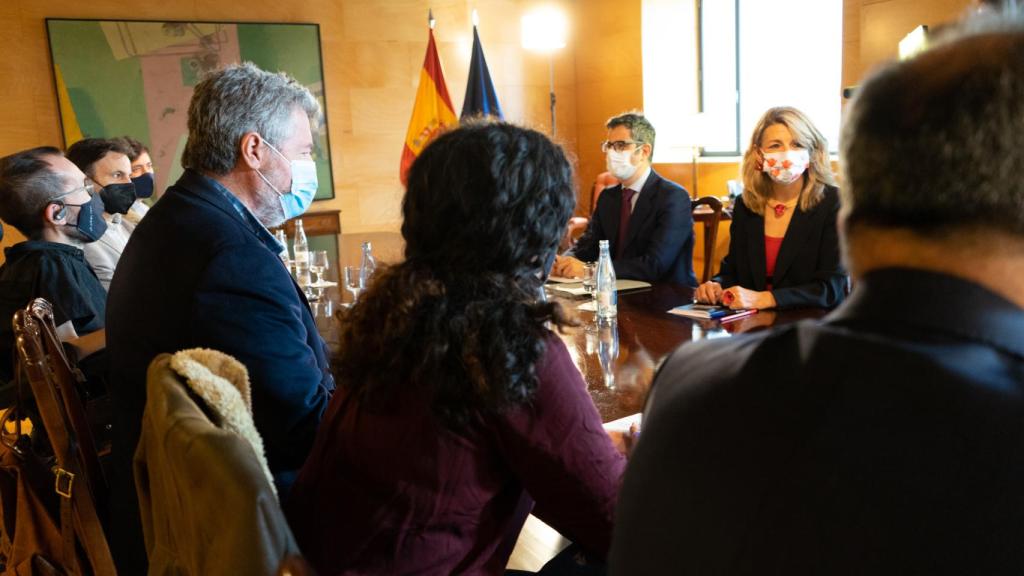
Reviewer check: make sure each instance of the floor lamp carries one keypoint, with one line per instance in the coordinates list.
(544, 31)
(693, 155)
(696, 134)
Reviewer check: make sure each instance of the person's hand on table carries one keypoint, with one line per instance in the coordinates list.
(567, 267)
(708, 293)
(625, 441)
(738, 297)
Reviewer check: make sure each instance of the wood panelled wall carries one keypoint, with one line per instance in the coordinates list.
(372, 54)
(373, 50)
(872, 29)
(609, 76)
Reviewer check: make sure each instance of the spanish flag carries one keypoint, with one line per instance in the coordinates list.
(433, 110)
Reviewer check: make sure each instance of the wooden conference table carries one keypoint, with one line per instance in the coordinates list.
(618, 361)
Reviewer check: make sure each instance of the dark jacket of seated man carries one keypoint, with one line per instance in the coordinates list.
(200, 271)
(219, 284)
(659, 243)
(886, 440)
(808, 272)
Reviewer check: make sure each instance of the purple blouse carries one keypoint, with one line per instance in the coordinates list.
(394, 492)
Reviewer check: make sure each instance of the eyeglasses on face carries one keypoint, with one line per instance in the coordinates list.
(89, 188)
(618, 145)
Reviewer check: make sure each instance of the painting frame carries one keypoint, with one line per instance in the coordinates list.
(103, 68)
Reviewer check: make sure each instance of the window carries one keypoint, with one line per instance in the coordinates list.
(753, 54)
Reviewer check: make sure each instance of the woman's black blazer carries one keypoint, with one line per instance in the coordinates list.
(808, 271)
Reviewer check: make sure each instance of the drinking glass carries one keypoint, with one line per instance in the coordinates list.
(284, 254)
(590, 286)
(318, 264)
(353, 281)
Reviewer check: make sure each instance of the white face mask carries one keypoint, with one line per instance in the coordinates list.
(619, 164)
(304, 184)
(786, 167)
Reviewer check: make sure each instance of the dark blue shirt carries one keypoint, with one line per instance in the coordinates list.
(56, 272)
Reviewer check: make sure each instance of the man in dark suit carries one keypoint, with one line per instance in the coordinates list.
(888, 439)
(646, 218)
(201, 270)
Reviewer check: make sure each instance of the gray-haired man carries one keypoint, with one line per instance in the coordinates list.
(206, 270)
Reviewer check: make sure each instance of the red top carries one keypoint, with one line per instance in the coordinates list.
(771, 254)
(392, 492)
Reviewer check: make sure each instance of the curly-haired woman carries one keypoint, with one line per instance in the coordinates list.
(457, 407)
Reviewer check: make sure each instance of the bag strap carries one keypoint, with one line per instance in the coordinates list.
(14, 413)
(69, 551)
(81, 509)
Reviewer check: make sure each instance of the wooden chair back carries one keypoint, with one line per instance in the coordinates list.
(55, 382)
(710, 223)
(604, 180)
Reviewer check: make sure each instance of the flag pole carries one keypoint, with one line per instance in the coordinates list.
(551, 72)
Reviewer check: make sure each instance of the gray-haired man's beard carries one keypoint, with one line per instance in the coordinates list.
(269, 212)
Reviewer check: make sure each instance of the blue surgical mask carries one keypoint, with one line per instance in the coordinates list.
(144, 185)
(90, 218)
(296, 201)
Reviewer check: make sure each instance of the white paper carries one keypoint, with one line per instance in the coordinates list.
(564, 280)
(588, 306)
(623, 424)
(620, 285)
(574, 290)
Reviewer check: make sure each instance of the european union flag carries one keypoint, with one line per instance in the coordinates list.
(480, 95)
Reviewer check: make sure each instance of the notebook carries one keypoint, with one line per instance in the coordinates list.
(711, 312)
(576, 289)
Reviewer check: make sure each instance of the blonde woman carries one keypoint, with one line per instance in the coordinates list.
(784, 249)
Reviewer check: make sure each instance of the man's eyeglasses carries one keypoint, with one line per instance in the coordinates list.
(89, 189)
(618, 145)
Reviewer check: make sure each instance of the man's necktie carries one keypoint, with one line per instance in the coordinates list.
(624, 213)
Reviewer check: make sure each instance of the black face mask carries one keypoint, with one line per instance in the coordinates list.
(118, 198)
(144, 185)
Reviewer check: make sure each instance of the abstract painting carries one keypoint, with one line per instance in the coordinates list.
(135, 78)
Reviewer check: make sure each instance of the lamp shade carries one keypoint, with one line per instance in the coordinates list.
(544, 30)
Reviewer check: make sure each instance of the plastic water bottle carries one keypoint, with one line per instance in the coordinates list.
(300, 248)
(366, 266)
(607, 298)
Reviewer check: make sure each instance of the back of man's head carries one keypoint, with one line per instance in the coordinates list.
(86, 153)
(934, 146)
(234, 101)
(27, 183)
